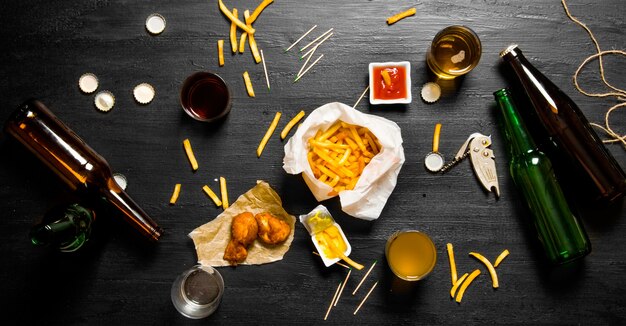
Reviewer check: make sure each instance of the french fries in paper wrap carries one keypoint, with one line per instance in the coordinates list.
(379, 177)
(211, 238)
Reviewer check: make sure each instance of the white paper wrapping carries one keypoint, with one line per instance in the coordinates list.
(369, 196)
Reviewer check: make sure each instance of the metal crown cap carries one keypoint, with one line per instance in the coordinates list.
(509, 49)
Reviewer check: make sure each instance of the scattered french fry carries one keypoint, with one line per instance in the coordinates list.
(500, 258)
(251, 40)
(457, 284)
(466, 283)
(224, 193)
(234, 19)
(175, 194)
(242, 42)
(220, 52)
(487, 263)
(212, 195)
(248, 82)
(190, 156)
(465, 280)
(393, 19)
(452, 263)
(291, 123)
(259, 9)
(233, 33)
(268, 134)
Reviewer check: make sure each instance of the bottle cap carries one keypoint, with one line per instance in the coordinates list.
(121, 180)
(144, 93)
(155, 24)
(431, 92)
(508, 50)
(88, 83)
(104, 101)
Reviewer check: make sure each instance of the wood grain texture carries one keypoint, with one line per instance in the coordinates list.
(47, 45)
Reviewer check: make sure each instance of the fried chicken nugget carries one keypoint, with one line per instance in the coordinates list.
(272, 230)
(244, 231)
(235, 252)
(244, 228)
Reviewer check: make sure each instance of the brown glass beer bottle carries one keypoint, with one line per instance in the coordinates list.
(79, 166)
(569, 129)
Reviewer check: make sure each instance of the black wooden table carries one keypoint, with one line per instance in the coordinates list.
(47, 45)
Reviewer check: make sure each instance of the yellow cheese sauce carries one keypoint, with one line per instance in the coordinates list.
(331, 235)
(319, 223)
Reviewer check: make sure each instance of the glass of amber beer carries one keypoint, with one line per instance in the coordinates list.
(454, 52)
(411, 255)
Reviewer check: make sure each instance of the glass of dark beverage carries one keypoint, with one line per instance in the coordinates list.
(205, 97)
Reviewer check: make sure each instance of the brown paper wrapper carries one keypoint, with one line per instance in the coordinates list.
(211, 238)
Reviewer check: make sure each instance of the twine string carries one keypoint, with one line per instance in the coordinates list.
(618, 93)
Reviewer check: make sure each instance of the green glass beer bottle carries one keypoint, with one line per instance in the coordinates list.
(65, 227)
(570, 130)
(561, 234)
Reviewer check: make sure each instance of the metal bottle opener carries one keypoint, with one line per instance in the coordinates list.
(483, 160)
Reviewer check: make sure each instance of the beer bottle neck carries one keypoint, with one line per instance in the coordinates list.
(66, 227)
(131, 212)
(519, 139)
(537, 86)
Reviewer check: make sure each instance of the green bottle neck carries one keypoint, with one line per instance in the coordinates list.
(519, 139)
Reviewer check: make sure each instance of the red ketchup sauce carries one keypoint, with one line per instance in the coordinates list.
(397, 89)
